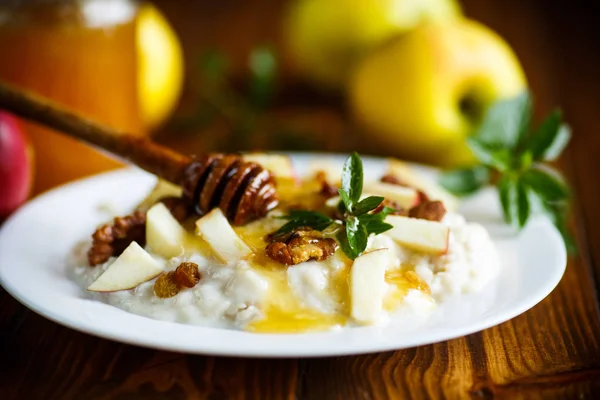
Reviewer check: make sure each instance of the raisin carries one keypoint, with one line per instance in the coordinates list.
(166, 285)
(187, 274)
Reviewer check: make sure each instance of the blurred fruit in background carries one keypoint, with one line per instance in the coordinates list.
(422, 94)
(325, 38)
(161, 71)
(81, 54)
(16, 167)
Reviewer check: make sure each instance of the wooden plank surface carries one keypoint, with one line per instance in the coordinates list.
(550, 352)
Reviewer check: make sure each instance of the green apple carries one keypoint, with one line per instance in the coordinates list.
(422, 94)
(326, 38)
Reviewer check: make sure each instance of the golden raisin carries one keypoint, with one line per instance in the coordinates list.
(166, 286)
(187, 274)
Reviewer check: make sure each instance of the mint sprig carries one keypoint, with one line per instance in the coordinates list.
(357, 223)
(513, 156)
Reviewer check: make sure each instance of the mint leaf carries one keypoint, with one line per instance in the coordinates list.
(499, 159)
(466, 180)
(374, 223)
(263, 67)
(507, 191)
(523, 206)
(346, 201)
(357, 236)
(342, 239)
(506, 122)
(549, 188)
(550, 139)
(367, 204)
(352, 179)
(304, 219)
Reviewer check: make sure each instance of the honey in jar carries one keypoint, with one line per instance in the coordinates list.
(80, 54)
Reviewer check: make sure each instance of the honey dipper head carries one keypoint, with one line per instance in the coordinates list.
(243, 190)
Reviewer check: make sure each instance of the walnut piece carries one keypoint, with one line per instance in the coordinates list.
(301, 246)
(327, 189)
(187, 274)
(166, 285)
(112, 239)
(430, 210)
(393, 179)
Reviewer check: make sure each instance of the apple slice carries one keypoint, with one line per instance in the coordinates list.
(164, 234)
(132, 267)
(404, 196)
(419, 234)
(367, 285)
(221, 237)
(407, 174)
(161, 190)
(279, 165)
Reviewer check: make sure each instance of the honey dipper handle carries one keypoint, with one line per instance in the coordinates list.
(142, 152)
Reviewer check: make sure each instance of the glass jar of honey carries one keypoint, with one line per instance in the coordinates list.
(81, 54)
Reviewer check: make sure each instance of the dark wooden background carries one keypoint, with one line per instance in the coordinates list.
(550, 352)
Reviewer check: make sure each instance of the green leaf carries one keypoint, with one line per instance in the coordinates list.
(346, 201)
(263, 68)
(557, 213)
(304, 218)
(357, 236)
(523, 207)
(550, 139)
(374, 223)
(368, 204)
(506, 122)
(500, 159)
(352, 179)
(465, 181)
(507, 191)
(342, 239)
(550, 188)
(214, 66)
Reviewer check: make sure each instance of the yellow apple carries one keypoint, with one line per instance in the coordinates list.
(160, 75)
(423, 93)
(325, 38)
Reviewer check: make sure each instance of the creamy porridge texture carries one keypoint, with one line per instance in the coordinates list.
(250, 279)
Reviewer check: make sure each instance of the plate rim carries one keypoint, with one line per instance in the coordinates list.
(73, 323)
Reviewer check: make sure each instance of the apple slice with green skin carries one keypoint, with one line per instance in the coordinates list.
(164, 234)
(221, 237)
(412, 178)
(133, 267)
(406, 197)
(419, 234)
(367, 285)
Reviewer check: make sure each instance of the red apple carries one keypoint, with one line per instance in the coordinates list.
(15, 165)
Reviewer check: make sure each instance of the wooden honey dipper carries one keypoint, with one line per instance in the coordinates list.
(244, 190)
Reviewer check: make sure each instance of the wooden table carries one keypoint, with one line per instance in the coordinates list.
(551, 351)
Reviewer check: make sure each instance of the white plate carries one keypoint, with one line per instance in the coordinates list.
(35, 242)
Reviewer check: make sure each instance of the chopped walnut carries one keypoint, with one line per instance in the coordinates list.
(301, 246)
(111, 239)
(166, 285)
(430, 210)
(393, 179)
(187, 274)
(327, 189)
